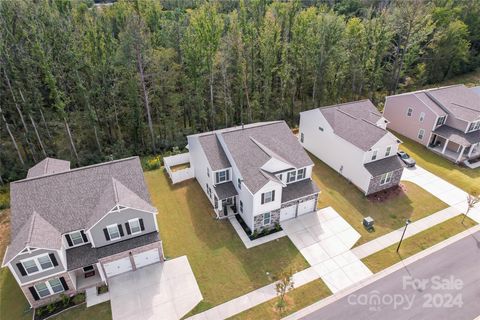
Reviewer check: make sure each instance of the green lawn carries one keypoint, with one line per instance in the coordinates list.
(415, 203)
(297, 299)
(13, 304)
(421, 241)
(99, 312)
(464, 178)
(222, 265)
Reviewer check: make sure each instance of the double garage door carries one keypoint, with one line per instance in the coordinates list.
(297, 209)
(124, 264)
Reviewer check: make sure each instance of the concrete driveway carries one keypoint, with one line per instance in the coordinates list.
(161, 291)
(324, 238)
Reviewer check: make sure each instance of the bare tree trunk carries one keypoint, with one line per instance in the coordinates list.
(117, 123)
(12, 137)
(212, 107)
(96, 139)
(72, 144)
(38, 136)
(145, 96)
(45, 124)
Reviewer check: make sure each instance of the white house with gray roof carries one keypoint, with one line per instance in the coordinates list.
(259, 171)
(352, 139)
(73, 229)
(446, 120)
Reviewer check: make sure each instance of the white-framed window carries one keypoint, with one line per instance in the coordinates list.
(76, 238)
(37, 264)
(386, 178)
(30, 266)
(209, 190)
(301, 174)
(239, 184)
(422, 116)
(374, 154)
(42, 290)
(291, 176)
(48, 288)
(241, 206)
(421, 134)
(268, 196)
(301, 137)
(45, 262)
(267, 218)
(387, 152)
(113, 232)
(222, 176)
(474, 126)
(409, 112)
(56, 285)
(134, 226)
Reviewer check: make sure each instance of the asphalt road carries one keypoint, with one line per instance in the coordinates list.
(442, 285)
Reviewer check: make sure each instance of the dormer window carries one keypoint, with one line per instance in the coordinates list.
(291, 176)
(222, 176)
(76, 238)
(301, 174)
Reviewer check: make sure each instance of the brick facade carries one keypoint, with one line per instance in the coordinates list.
(375, 182)
(47, 300)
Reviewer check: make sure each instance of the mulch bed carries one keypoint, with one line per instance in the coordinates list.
(258, 235)
(388, 194)
(57, 307)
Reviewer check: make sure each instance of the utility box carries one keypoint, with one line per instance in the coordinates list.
(368, 222)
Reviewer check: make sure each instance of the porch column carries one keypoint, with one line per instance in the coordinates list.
(445, 146)
(471, 150)
(461, 154)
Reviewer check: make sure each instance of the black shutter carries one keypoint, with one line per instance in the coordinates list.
(107, 236)
(127, 226)
(216, 177)
(120, 229)
(228, 175)
(263, 198)
(142, 226)
(69, 240)
(21, 269)
(273, 195)
(64, 283)
(84, 236)
(34, 293)
(54, 260)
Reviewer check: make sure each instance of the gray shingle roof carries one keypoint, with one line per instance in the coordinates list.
(85, 255)
(74, 199)
(213, 150)
(299, 190)
(355, 123)
(458, 100)
(379, 167)
(225, 190)
(48, 166)
(457, 136)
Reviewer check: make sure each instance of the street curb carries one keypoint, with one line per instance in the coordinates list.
(377, 276)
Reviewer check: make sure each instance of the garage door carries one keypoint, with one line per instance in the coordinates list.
(146, 258)
(306, 206)
(288, 212)
(117, 267)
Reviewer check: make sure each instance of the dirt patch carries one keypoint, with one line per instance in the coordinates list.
(4, 230)
(388, 194)
(179, 167)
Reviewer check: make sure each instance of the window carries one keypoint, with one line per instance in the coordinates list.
(239, 183)
(280, 177)
(320, 128)
(386, 178)
(291, 176)
(241, 206)
(222, 176)
(48, 288)
(56, 285)
(76, 238)
(42, 290)
(441, 120)
(268, 197)
(208, 172)
(30, 266)
(374, 154)
(209, 191)
(301, 174)
(387, 153)
(113, 232)
(266, 219)
(45, 262)
(422, 116)
(301, 137)
(474, 126)
(409, 112)
(421, 134)
(134, 226)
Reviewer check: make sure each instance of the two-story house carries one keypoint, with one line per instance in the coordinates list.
(75, 228)
(352, 139)
(259, 171)
(446, 120)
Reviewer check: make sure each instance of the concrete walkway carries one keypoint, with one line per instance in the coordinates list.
(253, 243)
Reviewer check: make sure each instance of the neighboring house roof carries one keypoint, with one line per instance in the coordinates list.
(225, 190)
(379, 167)
(48, 166)
(251, 146)
(422, 96)
(457, 136)
(458, 100)
(355, 122)
(82, 256)
(75, 199)
(299, 189)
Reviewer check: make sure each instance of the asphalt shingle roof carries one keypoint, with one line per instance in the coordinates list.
(457, 136)
(379, 167)
(225, 190)
(458, 100)
(48, 166)
(213, 150)
(298, 190)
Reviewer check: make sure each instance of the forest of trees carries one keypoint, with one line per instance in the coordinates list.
(88, 83)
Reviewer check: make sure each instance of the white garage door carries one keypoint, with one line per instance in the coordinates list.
(146, 258)
(288, 212)
(117, 267)
(306, 206)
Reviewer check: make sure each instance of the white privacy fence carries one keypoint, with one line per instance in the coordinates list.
(178, 175)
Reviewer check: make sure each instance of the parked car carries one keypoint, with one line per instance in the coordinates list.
(409, 162)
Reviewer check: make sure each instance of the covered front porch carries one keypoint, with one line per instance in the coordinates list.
(456, 150)
(225, 200)
(87, 277)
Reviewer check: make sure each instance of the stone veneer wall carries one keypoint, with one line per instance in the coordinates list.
(35, 304)
(375, 182)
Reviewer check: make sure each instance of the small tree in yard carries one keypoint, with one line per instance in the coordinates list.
(283, 286)
(472, 199)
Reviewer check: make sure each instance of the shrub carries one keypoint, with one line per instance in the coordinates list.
(51, 307)
(151, 163)
(79, 298)
(65, 299)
